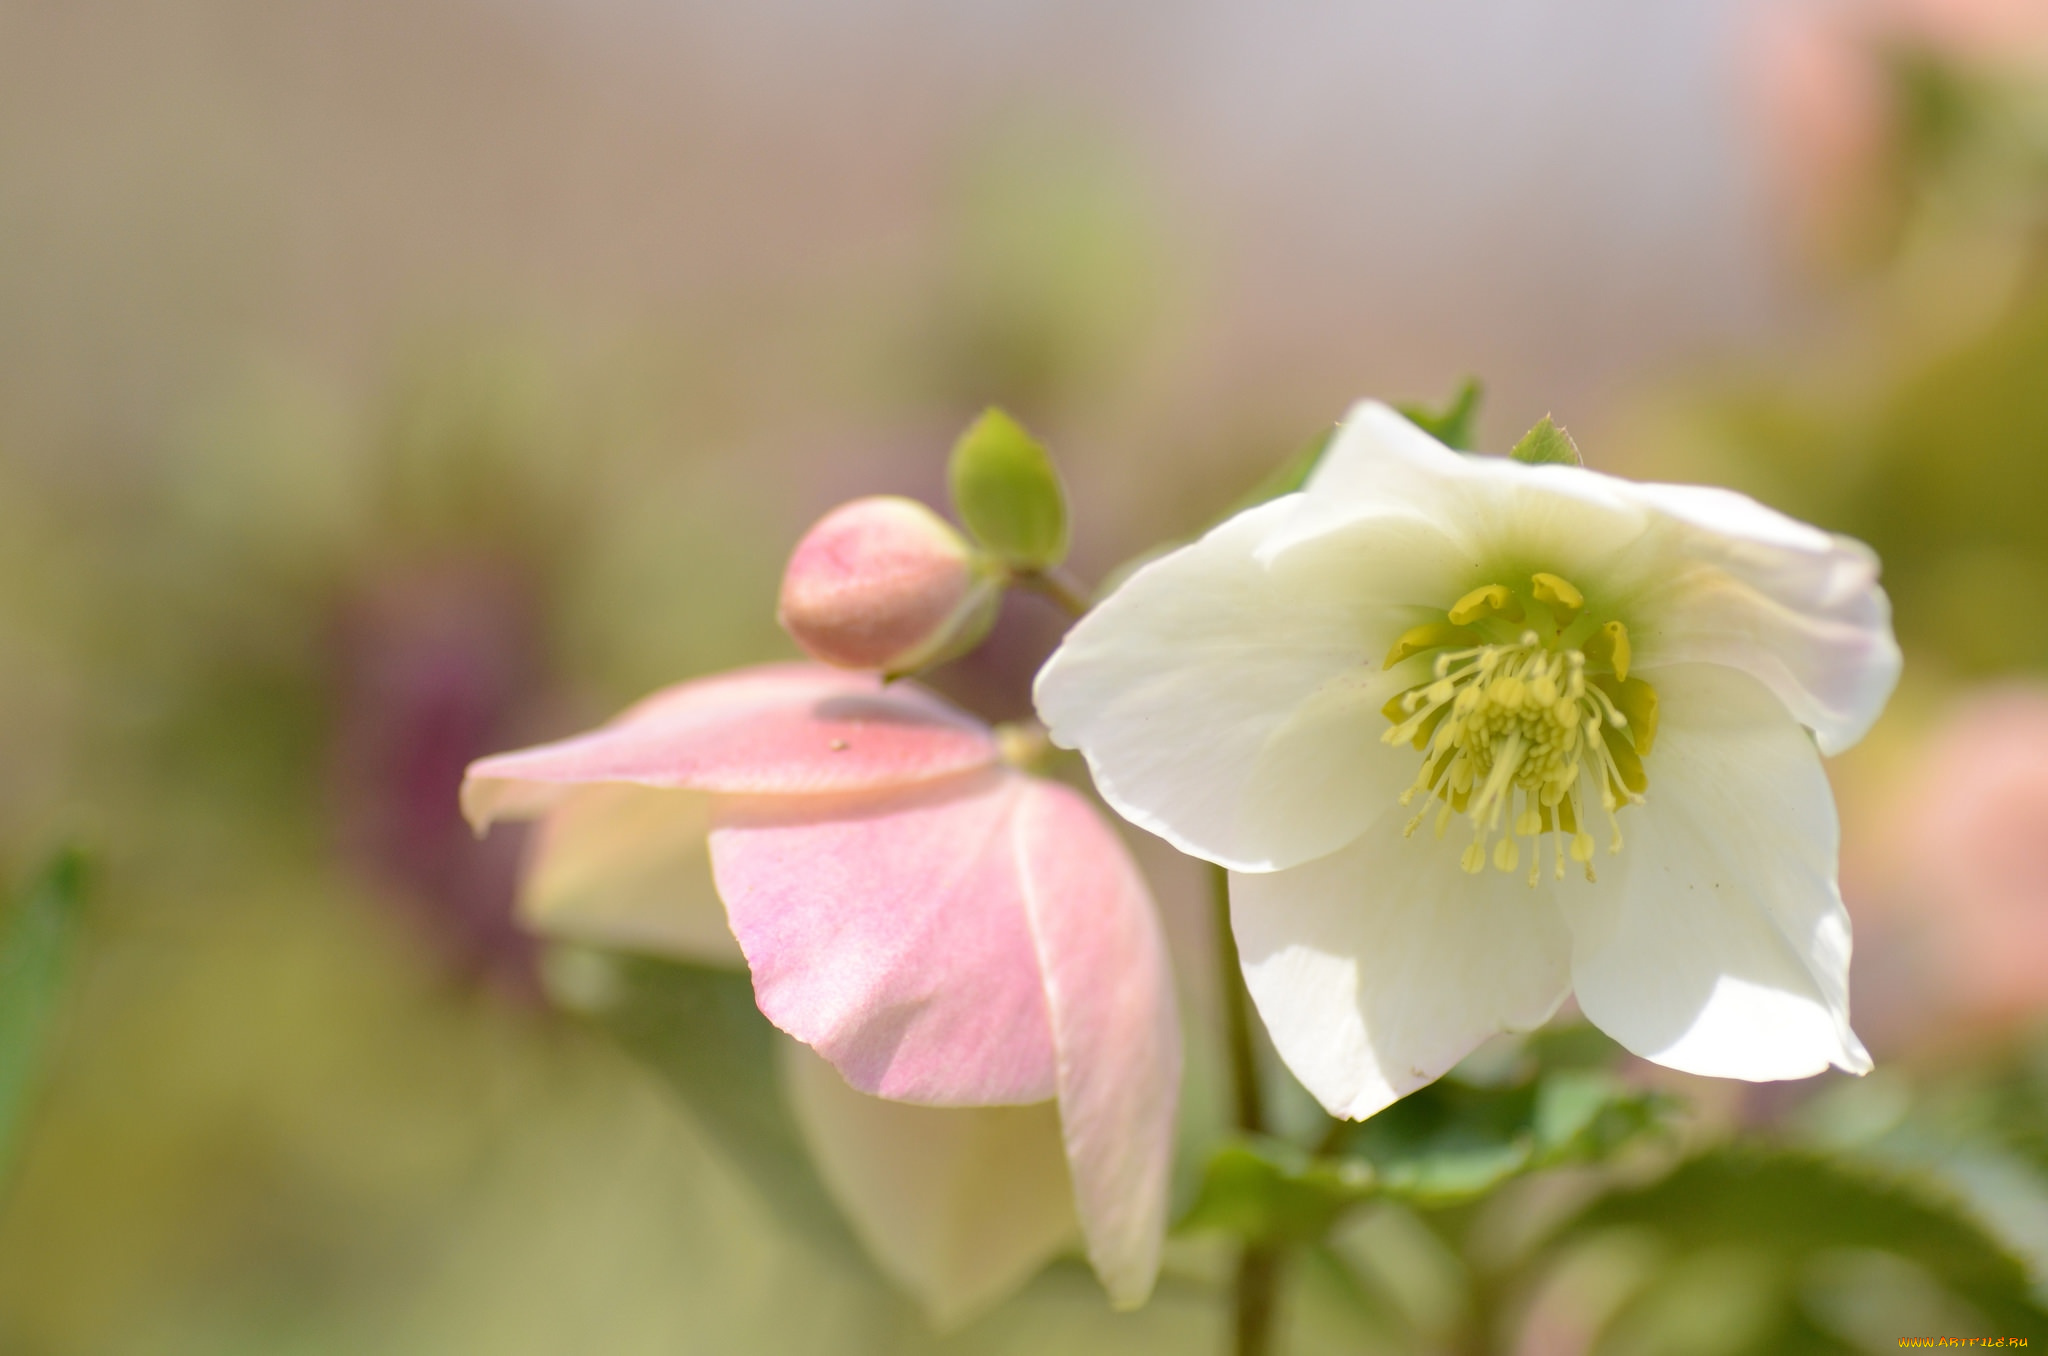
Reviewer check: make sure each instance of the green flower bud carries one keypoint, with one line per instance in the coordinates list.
(1006, 490)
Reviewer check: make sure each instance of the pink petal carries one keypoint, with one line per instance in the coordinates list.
(1109, 988)
(886, 930)
(777, 729)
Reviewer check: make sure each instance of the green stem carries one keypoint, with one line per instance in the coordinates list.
(1258, 1284)
(1250, 1102)
(1481, 1333)
(1062, 588)
(1258, 1266)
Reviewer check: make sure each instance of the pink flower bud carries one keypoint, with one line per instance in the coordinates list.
(884, 583)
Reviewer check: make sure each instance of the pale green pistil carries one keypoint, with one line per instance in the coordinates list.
(1522, 736)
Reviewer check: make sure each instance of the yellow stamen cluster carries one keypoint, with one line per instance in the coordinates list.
(1528, 719)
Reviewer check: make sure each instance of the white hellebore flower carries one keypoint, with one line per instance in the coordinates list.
(1472, 734)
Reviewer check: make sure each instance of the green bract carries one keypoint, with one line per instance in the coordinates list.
(1006, 490)
(1453, 424)
(1547, 443)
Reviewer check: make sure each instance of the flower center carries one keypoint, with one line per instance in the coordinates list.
(1528, 719)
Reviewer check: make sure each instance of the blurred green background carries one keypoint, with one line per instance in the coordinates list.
(387, 383)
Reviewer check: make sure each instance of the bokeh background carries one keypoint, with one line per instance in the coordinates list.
(388, 382)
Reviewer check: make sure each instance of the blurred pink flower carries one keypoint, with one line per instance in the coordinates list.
(1974, 843)
(944, 929)
(1824, 105)
(1827, 95)
(1991, 32)
(433, 664)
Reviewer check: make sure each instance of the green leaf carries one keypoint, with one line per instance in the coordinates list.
(1006, 490)
(1451, 425)
(38, 943)
(1553, 1103)
(1547, 443)
(1269, 1191)
(1792, 1212)
(1548, 1102)
(699, 1029)
(1571, 1045)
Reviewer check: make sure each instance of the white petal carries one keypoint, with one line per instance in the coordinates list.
(1716, 942)
(1724, 580)
(1174, 686)
(1699, 574)
(1376, 444)
(1380, 966)
(1325, 775)
(958, 1205)
(615, 864)
(1509, 518)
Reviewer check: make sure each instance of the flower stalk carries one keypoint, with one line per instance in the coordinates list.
(1256, 1290)
(1066, 592)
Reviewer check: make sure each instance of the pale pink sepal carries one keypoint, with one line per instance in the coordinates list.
(777, 729)
(1109, 991)
(958, 1205)
(613, 864)
(887, 930)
